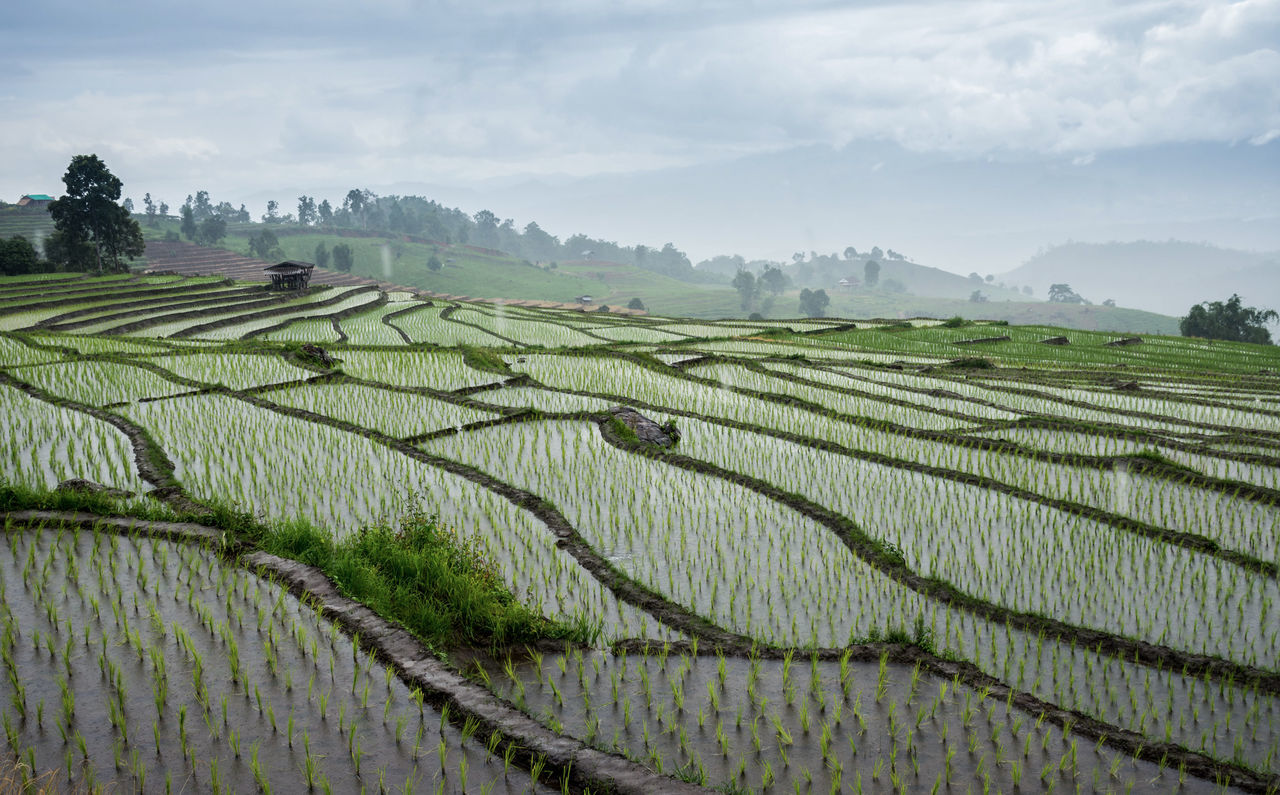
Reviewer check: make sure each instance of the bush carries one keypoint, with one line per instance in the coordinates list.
(954, 322)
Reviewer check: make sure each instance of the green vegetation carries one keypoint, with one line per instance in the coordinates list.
(1043, 554)
(420, 573)
(1229, 320)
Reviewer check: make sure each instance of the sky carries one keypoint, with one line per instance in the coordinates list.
(716, 125)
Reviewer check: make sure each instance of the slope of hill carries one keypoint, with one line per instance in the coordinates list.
(1161, 277)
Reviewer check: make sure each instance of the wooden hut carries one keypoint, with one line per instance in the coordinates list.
(290, 275)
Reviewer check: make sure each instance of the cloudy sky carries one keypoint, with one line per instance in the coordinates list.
(717, 125)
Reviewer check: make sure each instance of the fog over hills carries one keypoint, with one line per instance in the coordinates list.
(985, 214)
(1163, 277)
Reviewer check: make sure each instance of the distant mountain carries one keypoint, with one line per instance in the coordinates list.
(1160, 277)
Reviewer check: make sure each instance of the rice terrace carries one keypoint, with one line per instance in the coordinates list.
(350, 539)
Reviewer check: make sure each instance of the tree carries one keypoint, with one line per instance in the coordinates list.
(871, 273)
(434, 264)
(745, 283)
(1063, 294)
(876, 253)
(273, 212)
(1109, 302)
(189, 228)
(814, 302)
(88, 213)
(773, 280)
(18, 256)
(306, 211)
(343, 257)
(1026, 290)
(265, 245)
(850, 252)
(321, 255)
(1229, 320)
(164, 209)
(325, 211)
(211, 230)
(202, 208)
(636, 303)
(976, 297)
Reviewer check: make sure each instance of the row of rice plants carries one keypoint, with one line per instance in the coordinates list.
(151, 666)
(1098, 444)
(444, 371)
(42, 445)
(1229, 519)
(239, 330)
(98, 345)
(425, 325)
(1025, 556)
(180, 322)
(524, 332)
(112, 314)
(864, 403)
(15, 353)
(368, 328)
(747, 563)
(539, 399)
(1178, 410)
(313, 330)
(396, 414)
(801, 724)
(815, 348)
(901, 384)
(98, 383)
(283, 468)
(232, 370)
(737, 376)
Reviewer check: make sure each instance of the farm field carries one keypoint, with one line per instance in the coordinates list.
(881, 555)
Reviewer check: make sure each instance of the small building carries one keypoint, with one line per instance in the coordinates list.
(35, 201)
(849, 283)
(583, 299)
(290, 275)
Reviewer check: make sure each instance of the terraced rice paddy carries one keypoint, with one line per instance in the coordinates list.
(879, 558)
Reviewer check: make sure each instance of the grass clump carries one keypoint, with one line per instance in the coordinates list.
(422, 574)
(485, 359)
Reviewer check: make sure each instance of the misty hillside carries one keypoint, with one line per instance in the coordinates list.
(1130, 273)
(896, 276)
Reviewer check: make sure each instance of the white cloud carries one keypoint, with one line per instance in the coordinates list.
(455, 91)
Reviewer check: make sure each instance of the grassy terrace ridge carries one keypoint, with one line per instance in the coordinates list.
(873, 538)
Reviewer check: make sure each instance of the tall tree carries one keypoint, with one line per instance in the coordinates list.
(871, 273)
(343, 257)
(745, 283)
(189, 228)
(814, 302)
(773, 280)
(306, 210)
(89, 214)
(325, 212)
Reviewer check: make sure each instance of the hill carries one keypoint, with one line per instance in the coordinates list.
(1186, 273)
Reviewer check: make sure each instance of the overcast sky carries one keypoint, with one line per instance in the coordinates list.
(249, 100)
